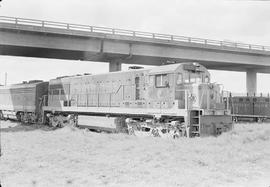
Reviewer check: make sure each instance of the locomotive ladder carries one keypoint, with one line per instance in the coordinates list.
(194, 117)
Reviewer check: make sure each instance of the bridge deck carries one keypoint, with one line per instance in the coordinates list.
(48, 39)
(87, 30)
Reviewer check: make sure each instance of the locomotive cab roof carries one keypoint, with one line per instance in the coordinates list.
(172, 68)
(164, 69)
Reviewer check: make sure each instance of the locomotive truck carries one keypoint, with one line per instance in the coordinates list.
(171, 100)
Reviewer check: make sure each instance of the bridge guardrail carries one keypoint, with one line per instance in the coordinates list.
(124, 32)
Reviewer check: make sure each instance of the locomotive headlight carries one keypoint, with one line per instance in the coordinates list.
(197, 66)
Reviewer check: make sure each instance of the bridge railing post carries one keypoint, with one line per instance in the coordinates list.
(91, 29)
(16, 21)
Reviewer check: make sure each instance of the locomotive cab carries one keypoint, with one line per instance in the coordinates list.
(195, 97)
(195, 91)
(187, 84)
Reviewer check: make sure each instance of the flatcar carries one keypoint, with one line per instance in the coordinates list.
(23, 101)
(169, 100)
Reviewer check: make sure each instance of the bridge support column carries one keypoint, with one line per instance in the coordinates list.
(115, 66)
(251, 82)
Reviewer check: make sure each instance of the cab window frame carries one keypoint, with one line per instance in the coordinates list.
(206, 79)
(55, 92)
(163, 82)
(179, 79)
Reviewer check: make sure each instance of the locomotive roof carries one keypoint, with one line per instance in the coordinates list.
(155, 70)
(171, 68)
(22, 85)
(164, 69)
(84, 75)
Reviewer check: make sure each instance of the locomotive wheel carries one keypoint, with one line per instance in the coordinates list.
(54, 123)
(176, 134)
(155, 132)
(260, 120)
(19, 117)
(1, 116)
(235, 119)
(131, 131)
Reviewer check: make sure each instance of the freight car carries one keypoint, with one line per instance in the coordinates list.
(23, 101)
(249, 108)
(169, 100)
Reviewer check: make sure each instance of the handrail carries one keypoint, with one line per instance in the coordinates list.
(235, 94)
(131, 33)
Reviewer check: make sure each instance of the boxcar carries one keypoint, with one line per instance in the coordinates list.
(246, 108)
(23, 101)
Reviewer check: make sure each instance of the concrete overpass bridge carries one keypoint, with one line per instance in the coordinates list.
(47, 39)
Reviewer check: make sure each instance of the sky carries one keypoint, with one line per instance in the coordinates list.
(232, 20)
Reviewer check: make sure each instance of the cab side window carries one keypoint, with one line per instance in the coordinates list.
(186, 78)
(162, 81)
(55, 92)
(179, 79)
(206, 79)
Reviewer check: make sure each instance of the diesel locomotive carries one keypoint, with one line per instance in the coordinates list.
(171, 100)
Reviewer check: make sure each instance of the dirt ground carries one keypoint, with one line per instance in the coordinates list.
(40, 156)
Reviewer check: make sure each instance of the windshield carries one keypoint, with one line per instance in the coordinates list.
(198, 77)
